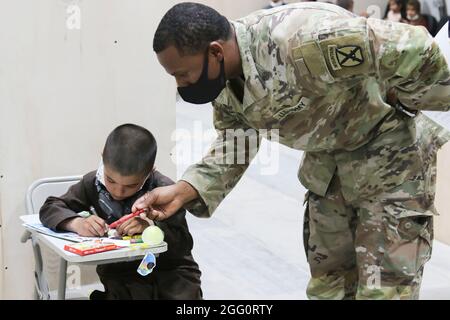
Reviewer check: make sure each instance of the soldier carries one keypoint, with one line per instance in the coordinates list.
(348, 91)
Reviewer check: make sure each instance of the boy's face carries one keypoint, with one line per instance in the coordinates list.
(122, 187)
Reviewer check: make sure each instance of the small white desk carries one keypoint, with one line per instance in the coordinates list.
(113, 256)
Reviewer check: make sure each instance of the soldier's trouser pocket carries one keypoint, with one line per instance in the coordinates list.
(393, 243)
(409, 246)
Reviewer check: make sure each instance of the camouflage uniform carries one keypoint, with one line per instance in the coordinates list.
(320, 76)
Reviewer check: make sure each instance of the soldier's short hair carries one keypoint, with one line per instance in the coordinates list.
(191, 27)
(130, 150)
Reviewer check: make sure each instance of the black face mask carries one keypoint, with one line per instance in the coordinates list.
(204, 90)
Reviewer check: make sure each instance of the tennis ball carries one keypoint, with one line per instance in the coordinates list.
(153, 235)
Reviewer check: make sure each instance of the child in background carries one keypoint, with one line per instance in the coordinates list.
(127, 173)
(413, 14)
(395, 11)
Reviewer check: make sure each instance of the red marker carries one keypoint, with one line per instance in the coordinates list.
(117, 223)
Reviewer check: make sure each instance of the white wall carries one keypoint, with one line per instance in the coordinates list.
(61, 92)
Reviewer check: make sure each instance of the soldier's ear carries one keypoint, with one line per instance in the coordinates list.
(216, 50)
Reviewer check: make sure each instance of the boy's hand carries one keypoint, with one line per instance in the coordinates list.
(132, 227)
(87, 227)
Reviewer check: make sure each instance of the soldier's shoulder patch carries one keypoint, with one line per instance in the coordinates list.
(345, 56)
(335, 56)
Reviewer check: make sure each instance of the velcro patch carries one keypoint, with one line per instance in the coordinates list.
(308, 57)
(335, 58)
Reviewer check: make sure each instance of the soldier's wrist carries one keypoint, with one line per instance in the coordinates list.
(186, 192)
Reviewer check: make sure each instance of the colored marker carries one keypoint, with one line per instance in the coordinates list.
(127, 238)
(132, 237)
(92, 210)
(117, 223)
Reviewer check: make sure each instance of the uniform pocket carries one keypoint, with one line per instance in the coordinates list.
(417, 226)
(409, 245)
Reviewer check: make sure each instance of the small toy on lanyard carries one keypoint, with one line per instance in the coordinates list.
(147, 265)
(151, 236)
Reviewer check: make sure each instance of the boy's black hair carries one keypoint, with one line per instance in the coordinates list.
(130, 150)
(190, 27)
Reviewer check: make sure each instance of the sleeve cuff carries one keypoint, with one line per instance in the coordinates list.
(197, 207)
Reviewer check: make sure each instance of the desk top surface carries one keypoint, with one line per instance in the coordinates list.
(57, 245)
(124, 254)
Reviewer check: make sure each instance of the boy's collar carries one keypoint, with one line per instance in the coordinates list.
(100, 175)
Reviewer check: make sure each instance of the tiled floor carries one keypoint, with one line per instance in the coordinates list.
(252, 248)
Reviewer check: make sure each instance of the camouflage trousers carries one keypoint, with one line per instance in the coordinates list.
(372, 249)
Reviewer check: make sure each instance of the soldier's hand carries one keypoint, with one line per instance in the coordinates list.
(161, 203)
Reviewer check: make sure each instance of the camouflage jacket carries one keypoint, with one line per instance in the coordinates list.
(320, 76)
